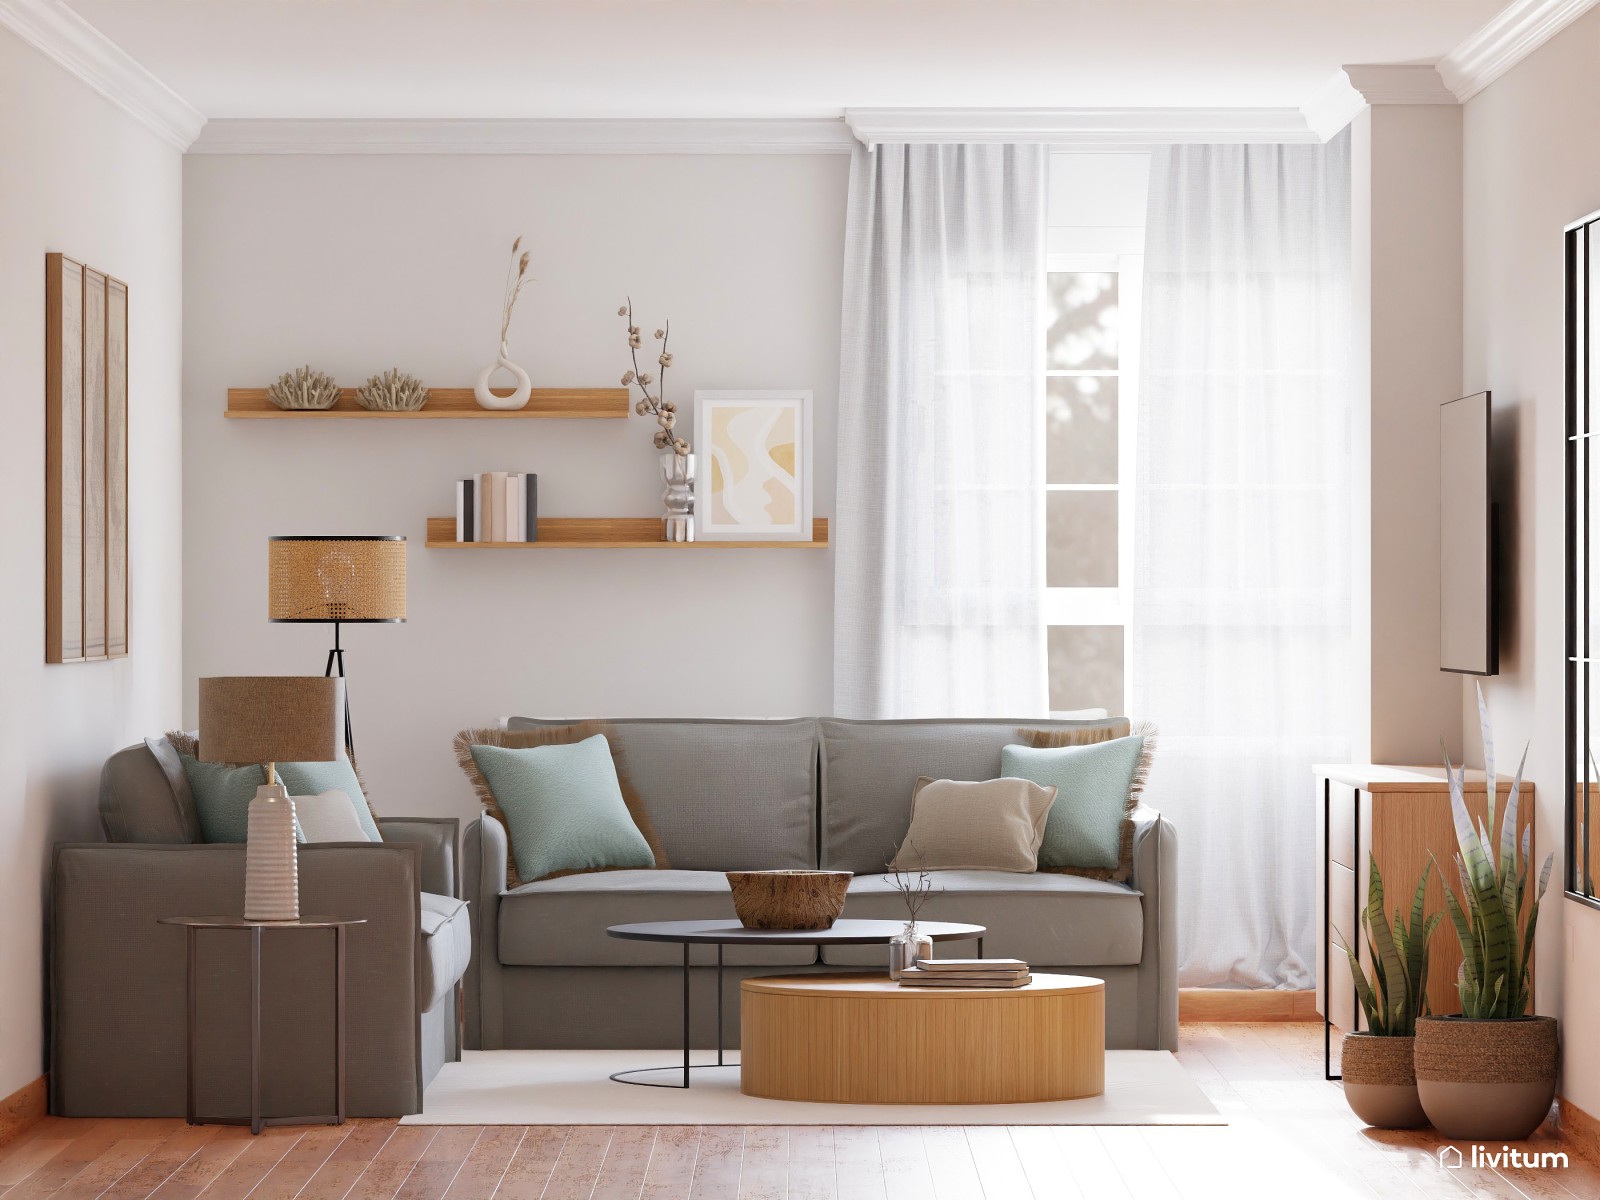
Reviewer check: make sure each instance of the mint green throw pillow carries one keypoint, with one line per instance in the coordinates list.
(314, 778)
(564, 808)
(222, 794)
(1089, 830)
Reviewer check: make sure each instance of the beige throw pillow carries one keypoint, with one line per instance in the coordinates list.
(988, 825)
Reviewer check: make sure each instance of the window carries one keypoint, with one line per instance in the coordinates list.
(1091, 391)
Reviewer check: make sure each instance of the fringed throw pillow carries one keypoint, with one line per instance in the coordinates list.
(1098, 784)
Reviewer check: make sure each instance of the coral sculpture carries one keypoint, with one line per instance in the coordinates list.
(393, 391)
(303, 388)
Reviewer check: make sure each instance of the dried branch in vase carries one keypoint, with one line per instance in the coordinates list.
(913, 890)
(651, 402)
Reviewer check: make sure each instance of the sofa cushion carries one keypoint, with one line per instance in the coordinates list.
(870, 768)
(725, 795)
(1046, 920)
(145, 797)
(563, 922)
(975, 825)
(446, 948)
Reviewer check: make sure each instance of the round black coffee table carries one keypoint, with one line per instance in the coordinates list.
(731, 933)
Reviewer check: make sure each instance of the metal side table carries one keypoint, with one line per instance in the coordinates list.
(192, 927)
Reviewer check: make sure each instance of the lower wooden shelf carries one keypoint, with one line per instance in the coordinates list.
(609, 533)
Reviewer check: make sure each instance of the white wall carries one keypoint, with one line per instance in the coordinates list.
(79, 176)
(359, 263)
(1531, 166)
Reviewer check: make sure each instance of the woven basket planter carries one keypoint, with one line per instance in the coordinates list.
(1380, 1084)
(1486, 1081)
(788, 899)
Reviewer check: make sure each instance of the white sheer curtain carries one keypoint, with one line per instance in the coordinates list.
(1241, 613)
(939, 549)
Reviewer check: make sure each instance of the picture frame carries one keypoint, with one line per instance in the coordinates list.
(86, 463)
(754, 476)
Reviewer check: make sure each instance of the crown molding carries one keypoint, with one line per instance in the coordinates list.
(53, 29)
(532, 136)
(1335, 104)
(1090, 127)
(1508, 38)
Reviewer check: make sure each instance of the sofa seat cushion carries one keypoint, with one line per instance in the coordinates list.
(446, 948)
(562, 922)
(1047, 920)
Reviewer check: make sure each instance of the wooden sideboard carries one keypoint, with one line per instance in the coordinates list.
(1399, 815)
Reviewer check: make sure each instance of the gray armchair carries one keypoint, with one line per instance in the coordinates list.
(117, 977)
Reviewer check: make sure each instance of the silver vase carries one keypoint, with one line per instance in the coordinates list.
(677, 471)
(271, 868)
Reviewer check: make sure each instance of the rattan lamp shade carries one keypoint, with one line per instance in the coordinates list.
(270, 718)
(336, 578)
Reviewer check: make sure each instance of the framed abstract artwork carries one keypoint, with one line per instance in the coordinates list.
(86, 463)
(755, 466)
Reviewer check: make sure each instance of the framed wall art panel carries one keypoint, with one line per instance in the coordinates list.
(86, 463)
(755, 465)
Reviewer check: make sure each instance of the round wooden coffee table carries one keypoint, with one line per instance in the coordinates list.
(863, 1039)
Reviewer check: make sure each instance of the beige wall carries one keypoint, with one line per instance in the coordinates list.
(78, 176)
(1406, 227)
(1532, 165)
(359, 263)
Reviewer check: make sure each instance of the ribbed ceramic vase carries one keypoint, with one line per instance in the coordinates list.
(271, 869)
(1380, 1082)
(1486, 1081)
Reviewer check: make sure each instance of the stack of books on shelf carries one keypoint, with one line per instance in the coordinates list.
(498, 506)
(967, 972)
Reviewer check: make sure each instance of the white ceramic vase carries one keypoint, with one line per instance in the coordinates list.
(677, 472)
(271, 868)
(518, 398)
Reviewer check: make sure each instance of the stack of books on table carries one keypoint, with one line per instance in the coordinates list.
(498, 506)
(967, 972)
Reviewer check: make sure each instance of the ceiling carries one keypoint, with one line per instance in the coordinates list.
(760, 58)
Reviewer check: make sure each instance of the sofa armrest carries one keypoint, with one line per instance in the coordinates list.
(1155, 873)
(117, 1029)
(437, 838)
(484, 867)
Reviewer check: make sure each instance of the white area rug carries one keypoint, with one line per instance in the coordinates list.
(570, 1087)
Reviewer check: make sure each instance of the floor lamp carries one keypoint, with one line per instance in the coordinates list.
(338, 580)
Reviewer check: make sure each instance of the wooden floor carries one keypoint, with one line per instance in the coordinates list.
(1290, 1135)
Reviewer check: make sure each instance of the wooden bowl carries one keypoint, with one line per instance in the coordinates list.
(788, 899)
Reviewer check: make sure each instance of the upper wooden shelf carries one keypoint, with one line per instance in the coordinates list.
(444, 404)
(609, 533)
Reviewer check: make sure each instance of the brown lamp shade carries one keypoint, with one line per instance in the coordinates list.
(336, 578)
(270, 718)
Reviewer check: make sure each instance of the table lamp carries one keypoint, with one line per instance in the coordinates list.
(269, 719)
(359, 578)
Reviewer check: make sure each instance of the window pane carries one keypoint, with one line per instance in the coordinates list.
(1080, 548)
(1086, 667)
(1081, 429)
(1083, 321)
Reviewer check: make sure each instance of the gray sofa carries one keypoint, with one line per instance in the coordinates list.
(732, 795)
(117, 977)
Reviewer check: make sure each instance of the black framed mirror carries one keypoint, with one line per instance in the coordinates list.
(1583, 515)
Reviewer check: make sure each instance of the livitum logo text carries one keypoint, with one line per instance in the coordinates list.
(1506, 1156)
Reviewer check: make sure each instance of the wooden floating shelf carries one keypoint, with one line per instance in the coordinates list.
(609, 533)
(444, 404)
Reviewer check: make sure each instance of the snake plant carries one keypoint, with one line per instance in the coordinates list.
(1495, 918)
(1397, 993)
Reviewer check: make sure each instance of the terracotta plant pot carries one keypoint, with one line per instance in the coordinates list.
(788, 899)
(1486, 1081)
(1380, 1083)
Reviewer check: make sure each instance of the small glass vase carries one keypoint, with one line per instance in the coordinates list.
(919, 946)
(677, 471)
